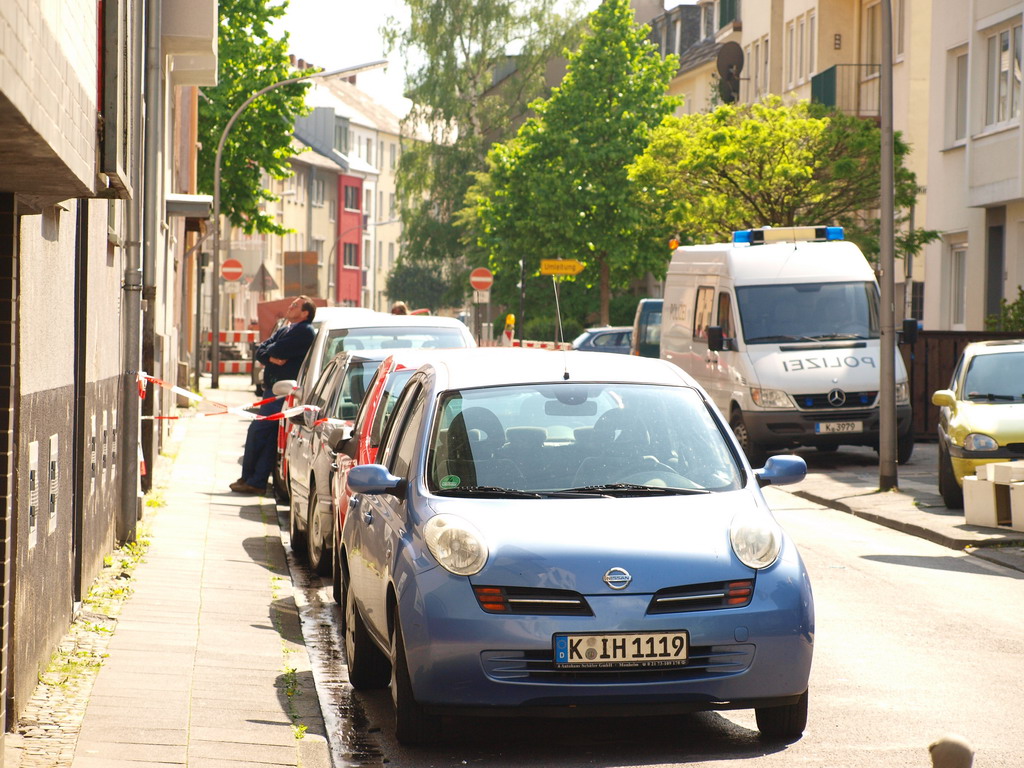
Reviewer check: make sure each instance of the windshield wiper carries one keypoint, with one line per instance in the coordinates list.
(990, 396)
(488, 490)
(781, 337)
(837, 336)
(629, 489)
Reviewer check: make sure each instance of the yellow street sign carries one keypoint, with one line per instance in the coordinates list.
(560, 267)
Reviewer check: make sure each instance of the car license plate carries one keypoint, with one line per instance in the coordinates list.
(838, 427)
(621, 650)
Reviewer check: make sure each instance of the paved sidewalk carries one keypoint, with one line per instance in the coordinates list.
(206, 666)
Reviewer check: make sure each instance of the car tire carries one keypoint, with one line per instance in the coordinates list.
(950, 490)
(338, 583)
(786, 722)
(296, 536)
(368, 667)
(413, 725)
(281, 494)
(756, 455)
(905, 447)
(316, 543)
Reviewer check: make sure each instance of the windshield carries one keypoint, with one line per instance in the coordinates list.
(572, 437)
(808, 312)
(353, 388)
(995, 378)
(394, 337)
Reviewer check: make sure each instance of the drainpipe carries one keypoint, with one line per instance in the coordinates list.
(153, 195)
(131, 501)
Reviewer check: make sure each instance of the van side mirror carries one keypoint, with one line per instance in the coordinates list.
(909, 331)
(716, 340)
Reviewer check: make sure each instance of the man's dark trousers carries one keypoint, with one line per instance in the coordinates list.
(260, 453)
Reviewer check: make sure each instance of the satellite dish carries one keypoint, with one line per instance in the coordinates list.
(730, 64)
(730, 61)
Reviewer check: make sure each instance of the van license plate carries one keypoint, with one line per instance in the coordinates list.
(620, 650)
(838, 427)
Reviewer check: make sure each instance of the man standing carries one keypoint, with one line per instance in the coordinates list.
(281, 356)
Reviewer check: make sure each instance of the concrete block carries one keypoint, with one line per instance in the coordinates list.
(986, 503)
(1017, 506)
(1007, 471)
(985, 472)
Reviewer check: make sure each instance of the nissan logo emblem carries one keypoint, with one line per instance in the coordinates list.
(836, 398)
(617, 578)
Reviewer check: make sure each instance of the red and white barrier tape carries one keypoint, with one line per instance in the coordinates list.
(143, 379)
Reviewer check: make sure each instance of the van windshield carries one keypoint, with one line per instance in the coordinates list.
(808, 312)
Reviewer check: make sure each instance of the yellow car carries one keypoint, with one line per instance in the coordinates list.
(981, 415)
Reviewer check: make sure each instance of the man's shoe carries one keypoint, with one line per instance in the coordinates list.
(240, 486)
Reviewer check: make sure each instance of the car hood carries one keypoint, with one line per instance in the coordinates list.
(1003, 422)
(571, 544)
(814, 368)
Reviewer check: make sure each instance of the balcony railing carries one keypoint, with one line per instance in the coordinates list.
(850, 88)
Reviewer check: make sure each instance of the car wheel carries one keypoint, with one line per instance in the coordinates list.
(905, 447)
(785, 722)
(368, 667)
(297, 536)
(413, 725)
(338, 583)
(281, 494)
(756, 455)
(949, 488)
(315, 540)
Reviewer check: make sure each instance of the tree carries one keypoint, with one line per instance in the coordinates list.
(260, 140)
(462, 102)
(561, 188)
(772, 164)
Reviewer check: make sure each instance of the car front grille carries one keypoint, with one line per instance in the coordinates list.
(532, 601)
(702, 597)
(817, 402)
(538, 667)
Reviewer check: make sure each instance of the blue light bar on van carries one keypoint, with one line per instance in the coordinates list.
(786, 235)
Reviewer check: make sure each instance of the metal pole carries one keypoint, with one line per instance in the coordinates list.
(215, 298)
(887, 479)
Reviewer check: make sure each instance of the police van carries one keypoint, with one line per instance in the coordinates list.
(782, 328)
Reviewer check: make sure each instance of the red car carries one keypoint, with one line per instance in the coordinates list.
(358, 444)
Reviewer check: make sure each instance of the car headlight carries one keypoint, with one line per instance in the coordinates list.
(455, 544)
(756, 540)
(978, 442)
(902, 392)
(770, 398)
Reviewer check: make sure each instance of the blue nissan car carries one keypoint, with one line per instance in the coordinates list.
(553, 533)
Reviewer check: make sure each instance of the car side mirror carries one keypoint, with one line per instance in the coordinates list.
(374, 479)
(944, 398)
(909, 331)
(716, 339)
(781, 470)
(284, 387)
(338, 438)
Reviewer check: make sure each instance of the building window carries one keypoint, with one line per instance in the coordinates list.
(341, 136)
(1003, 76)
(351, 197)
(332, 206)
(960, 97)
(318, 193)
(872, 38)
(898, 27)
(790, 77)
(300, 186)
(800, 51)
(957, 284)
(394, 153)
(709, 20)
(369, 151)
(351, 254)
(765, 83)
(754, 60)
(391, 206)
(391, 255)
(812, 43)
(368, 201)
(368, 250)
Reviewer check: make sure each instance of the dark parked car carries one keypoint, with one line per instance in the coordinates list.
(606, 339)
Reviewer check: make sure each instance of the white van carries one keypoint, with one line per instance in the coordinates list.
(781, 327)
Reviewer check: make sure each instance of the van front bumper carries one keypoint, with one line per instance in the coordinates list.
(773, 430)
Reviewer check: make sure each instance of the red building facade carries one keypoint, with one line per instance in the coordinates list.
(349, 263)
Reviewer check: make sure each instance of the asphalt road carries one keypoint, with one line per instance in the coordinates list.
(913, 640)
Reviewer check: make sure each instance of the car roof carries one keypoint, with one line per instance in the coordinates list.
(993, 347)
(372, 319)
(610, 328)
(495, 366)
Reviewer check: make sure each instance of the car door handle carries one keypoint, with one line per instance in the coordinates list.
(367, 516)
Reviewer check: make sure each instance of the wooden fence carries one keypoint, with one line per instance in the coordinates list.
(930, 362)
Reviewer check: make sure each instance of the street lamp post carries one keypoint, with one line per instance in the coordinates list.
(215, 269)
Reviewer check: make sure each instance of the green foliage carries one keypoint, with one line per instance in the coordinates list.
(462, 43)
(1010, 317)
(260, 140)
(421, 284)
(773, 164)
(560, 188)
